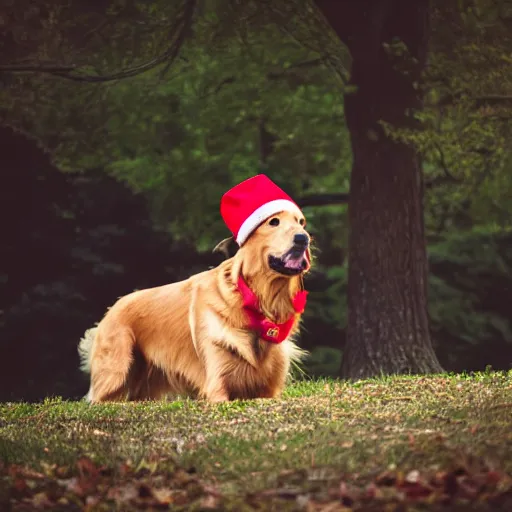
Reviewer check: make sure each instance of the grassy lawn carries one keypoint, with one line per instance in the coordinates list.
(403, 443)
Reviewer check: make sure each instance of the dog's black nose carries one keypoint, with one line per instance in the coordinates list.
(301, 240)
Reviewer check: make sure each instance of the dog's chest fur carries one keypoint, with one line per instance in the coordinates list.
(249, 365)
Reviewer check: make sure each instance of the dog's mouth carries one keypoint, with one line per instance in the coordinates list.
(294, 262)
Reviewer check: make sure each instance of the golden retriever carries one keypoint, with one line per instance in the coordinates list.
(193, 337)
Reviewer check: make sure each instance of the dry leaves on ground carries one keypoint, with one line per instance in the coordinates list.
(88, 486)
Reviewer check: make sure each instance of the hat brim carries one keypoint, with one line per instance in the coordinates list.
(262, 213)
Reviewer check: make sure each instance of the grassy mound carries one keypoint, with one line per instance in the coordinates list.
(405, 443)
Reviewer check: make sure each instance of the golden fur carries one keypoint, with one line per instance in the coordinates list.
(190, 337)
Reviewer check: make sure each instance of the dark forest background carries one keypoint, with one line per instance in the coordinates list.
(111, 182)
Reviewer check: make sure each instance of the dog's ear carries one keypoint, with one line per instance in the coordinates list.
(228, 247)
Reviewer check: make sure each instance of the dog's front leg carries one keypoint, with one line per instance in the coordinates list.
(216, 393)
(215, 389)
(208, 332)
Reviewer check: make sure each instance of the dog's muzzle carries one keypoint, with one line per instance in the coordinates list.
(294, 261)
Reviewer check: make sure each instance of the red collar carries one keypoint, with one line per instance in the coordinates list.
(268, 330)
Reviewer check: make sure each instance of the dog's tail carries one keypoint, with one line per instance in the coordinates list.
(85, 349)
(297, 356)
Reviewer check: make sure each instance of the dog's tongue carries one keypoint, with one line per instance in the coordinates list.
(293, 263)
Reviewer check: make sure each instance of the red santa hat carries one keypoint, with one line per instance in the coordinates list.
(249, 203)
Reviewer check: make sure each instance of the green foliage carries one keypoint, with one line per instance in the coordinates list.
(470, 290)
(324, 361)
(242, 99)
(330, 304)
(465, 127)
(254, 91)
(72, 245)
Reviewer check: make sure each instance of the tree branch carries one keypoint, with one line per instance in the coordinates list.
(323, 199)
(304, 65)
(490, 100)
(343, 197)
(36, 68)
(493, 99)
(271, 76)
(178, 33)
(447, 179)
(448, 176)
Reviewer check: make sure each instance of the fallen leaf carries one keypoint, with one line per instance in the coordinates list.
(92, 501)
(493, 477)
(97, 432)
(15, 470)
(20, 484)
(163, 495)
(386, 479)
(412, 477)
(415, 491)
(87, 467)
(347, 496)
(210, 502)
(40, 500)
(373, 491)
(71, 485)
(124, 493)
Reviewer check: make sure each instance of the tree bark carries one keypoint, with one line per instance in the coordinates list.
(388, 330)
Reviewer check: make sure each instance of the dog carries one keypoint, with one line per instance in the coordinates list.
(223, 334)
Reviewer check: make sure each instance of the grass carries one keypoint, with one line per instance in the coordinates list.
(319, 434)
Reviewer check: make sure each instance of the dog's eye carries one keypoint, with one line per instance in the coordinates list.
(274, 221)
(302, 222)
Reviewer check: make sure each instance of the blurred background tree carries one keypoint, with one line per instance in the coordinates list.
(149, 112)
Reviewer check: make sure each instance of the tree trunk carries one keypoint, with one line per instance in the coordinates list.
(388, 329)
